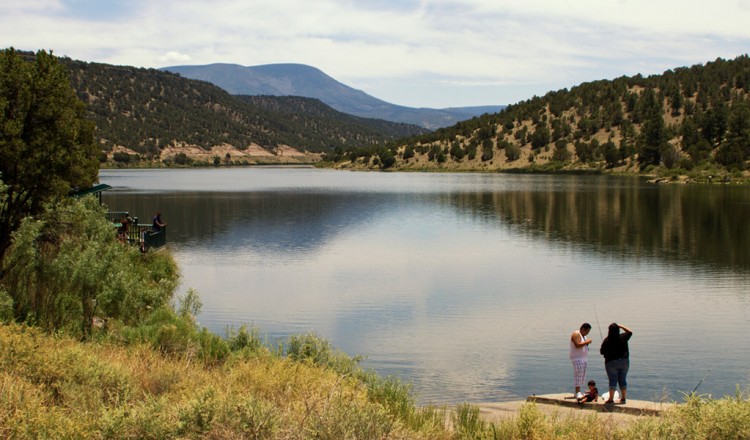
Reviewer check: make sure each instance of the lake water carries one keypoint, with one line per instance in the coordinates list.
(467, 285)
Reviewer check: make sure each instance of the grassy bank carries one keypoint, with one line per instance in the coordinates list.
(58, 387)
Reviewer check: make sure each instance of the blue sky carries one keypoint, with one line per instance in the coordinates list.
(443, 53)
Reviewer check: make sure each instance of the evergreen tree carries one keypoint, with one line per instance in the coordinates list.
(611, 153)
(736, 150)
(714, 123)
(488, 151)
(561, 153)
(540, 138)
(46, 143)
(512, 152)
(654, 134)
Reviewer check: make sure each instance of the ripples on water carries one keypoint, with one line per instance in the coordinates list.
(466, 285)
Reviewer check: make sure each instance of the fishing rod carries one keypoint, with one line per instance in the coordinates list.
(702, 379)
(597, 324)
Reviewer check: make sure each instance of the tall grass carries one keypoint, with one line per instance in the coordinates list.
(698, 418)
(58, 387)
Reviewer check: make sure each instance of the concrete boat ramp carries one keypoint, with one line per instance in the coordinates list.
(564, 404)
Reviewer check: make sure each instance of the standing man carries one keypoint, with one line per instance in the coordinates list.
(579, 351)
(157, 224)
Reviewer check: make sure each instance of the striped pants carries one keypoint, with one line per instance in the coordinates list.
(579, 372)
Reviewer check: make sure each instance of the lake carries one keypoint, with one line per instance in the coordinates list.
(467, 285)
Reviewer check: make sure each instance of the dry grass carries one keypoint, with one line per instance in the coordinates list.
(57, 387)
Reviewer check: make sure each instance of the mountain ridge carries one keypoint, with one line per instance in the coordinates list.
(688, 122)
(147, 110)
(294, 79)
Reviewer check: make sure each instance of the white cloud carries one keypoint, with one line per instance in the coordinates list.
(173, 57)
(419, 45)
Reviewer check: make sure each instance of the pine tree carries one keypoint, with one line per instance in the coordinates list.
(46, 142)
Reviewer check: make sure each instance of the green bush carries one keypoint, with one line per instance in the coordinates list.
(512, 152)
(244, 340)
(121, 157)
(66, 267)
(310, 347)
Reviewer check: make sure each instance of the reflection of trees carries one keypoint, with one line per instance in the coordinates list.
(278, 221)
(688, 223)
(618, 217)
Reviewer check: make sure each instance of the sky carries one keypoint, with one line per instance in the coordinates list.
(436, 54)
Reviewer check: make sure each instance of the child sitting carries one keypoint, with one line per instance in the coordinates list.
(591, 395)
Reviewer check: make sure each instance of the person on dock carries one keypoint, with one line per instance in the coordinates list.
(579, 351)
(617, 359)
(157, 223)
(591, 395)
(122, 231)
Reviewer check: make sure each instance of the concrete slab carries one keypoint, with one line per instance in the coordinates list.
(633, 407)
(566, 406)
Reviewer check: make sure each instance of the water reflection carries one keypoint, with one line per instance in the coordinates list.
(466, 285)
(694, 224)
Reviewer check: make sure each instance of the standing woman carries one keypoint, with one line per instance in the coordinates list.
(617, 359)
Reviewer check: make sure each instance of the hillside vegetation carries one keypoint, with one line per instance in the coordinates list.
(687, 120)
(146, 110)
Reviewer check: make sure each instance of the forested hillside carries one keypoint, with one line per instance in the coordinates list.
(146, 110)
(290, 79)
(306, 114)
(685, 120)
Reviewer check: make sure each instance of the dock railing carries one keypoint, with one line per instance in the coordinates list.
(155, 239)
(117, 216)
(141, 234)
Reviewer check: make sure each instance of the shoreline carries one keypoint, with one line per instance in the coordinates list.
(649, 177)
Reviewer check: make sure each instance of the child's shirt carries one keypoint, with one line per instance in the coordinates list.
(591, 395)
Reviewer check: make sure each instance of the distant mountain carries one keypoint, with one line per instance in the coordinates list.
(146, 110)
(307, 81)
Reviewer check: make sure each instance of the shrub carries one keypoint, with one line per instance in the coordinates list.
(408, 152)
(512, 152)
(121, 157)
(182, 159)
(309, 347)
(244, 340)
(561, 153)
(65, 267)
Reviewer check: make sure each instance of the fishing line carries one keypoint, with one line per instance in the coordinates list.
(713, 364)
(597, 324)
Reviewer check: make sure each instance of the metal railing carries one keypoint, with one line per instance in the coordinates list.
(117, 216)
(155, 239)
(139, 234)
